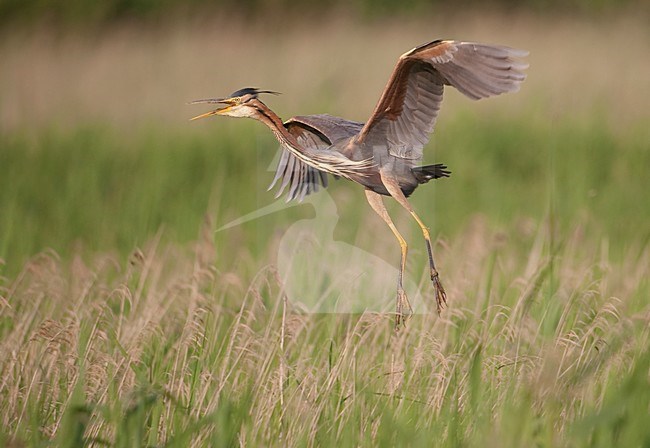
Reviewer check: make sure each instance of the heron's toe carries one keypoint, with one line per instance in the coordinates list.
(441, 295)
(404, 310)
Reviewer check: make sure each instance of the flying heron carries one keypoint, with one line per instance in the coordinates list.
(384, 154)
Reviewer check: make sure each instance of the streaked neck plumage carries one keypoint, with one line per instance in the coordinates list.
(274, 123)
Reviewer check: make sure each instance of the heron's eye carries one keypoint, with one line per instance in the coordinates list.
(237, 100)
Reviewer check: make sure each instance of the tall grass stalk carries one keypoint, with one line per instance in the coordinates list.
(166, 349)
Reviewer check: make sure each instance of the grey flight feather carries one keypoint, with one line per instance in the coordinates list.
(407, 111)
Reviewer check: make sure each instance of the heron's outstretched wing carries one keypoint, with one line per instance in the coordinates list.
(312, 132)
(408, 108)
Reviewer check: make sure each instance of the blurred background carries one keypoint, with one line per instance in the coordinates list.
(97, 153)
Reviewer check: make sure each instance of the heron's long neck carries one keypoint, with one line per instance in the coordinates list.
(271, 119)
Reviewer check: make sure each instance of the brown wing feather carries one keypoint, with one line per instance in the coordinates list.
(331, 128)
(407, 110)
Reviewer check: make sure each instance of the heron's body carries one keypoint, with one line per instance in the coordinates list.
(337, 135)
(385, 153)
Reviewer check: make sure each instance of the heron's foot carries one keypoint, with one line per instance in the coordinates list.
(441, 295)
(403, 310)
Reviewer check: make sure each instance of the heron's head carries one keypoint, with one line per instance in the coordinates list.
(242, 103)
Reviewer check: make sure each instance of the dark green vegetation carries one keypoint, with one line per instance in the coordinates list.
(83, 13)
(108, 192)
(144, 327)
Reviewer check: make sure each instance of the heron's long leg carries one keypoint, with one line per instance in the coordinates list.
(396, 192)
(377, 204)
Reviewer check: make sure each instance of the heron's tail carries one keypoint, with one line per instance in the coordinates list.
(424, 174)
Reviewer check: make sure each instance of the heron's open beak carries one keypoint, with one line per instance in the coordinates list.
(209, 114)
(212, 112)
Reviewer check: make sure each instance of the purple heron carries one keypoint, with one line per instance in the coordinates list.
(384, 154)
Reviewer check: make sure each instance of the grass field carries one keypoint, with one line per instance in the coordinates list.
(126, 319)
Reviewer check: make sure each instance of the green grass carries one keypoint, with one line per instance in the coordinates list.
(95, 187)
(144, 327)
